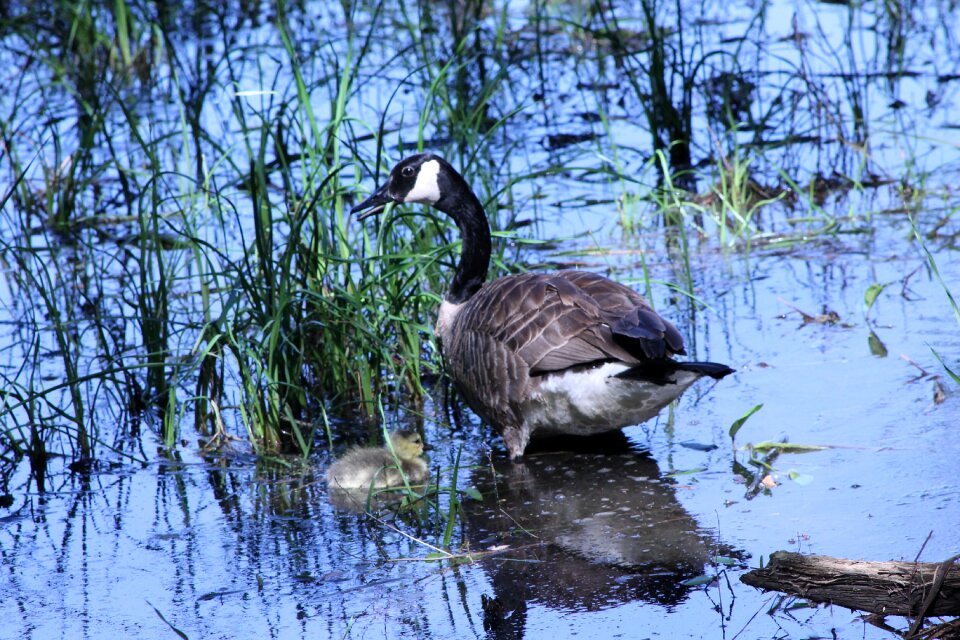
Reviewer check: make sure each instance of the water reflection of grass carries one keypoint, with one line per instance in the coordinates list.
(176, 223)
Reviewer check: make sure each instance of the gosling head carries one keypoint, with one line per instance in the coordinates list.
(424, 178)
(407, 444)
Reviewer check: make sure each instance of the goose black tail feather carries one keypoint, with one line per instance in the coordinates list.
(713, 369)
(659, 371)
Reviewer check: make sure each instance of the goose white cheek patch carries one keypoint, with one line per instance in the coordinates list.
(427, 188)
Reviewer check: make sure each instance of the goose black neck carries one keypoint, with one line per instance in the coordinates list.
(461, 204)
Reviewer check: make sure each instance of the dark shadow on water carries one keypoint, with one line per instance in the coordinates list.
(591, 524)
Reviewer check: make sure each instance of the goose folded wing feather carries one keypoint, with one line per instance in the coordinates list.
(643, 328)
(559, 327)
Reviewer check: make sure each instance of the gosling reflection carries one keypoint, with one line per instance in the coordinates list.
(587, 531)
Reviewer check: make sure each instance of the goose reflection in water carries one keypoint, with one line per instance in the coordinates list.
(587, 530)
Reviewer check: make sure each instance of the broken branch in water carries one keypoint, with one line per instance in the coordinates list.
(892, 588)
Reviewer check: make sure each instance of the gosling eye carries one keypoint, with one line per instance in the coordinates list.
(408, 172)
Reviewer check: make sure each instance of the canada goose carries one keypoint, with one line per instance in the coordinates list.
(376, 467)
(569, 352)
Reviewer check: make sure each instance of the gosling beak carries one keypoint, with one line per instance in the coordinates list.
(375, 203)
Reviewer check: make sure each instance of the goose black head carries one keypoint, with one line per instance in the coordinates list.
(424, 178)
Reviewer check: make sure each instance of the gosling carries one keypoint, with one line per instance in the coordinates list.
(378, 468)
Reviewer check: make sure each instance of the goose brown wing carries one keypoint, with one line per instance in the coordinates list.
(568, 319)
(636, 326)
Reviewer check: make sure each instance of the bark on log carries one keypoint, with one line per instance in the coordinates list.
(891, 588)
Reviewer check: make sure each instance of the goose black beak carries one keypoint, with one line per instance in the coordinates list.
(375, 203)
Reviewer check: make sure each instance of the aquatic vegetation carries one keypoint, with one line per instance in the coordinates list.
(199, 281)
(186, 295)
(239, 268)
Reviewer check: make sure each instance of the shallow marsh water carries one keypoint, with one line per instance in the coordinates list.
(605, 539)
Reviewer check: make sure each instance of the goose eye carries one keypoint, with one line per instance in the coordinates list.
(407, 172)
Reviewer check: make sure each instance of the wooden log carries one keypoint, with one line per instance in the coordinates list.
(890, 588)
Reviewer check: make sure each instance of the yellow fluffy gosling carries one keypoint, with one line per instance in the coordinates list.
(365, 467)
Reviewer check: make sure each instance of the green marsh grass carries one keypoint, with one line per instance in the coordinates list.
(954, 373)
(301, 321)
